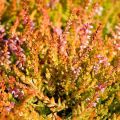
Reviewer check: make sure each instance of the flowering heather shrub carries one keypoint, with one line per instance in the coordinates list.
(60, 60)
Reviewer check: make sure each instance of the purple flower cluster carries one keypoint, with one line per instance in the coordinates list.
(10, 107)
(101, 87)
(76, 71)
(103, 60)
(11, 45)
(15, 47)
(86, 32)
(4, 52)
(27, 21)
(16, 92)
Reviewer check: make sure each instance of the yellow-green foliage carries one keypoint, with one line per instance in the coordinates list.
(60, 59)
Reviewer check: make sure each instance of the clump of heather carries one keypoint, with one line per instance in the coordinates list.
(59, 60)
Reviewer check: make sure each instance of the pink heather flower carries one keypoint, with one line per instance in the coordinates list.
(103, 60)
(8, 108)
(17, 93)
(99, 10)
(99, 56)
(13, 92)
(94, 104)
(15, 47)
(58, 31)
(91, 27)
(101, 87)
(12, 104)
(32, 25)
(76, 71)
(88, 31)
(102, 90)
(117, 46)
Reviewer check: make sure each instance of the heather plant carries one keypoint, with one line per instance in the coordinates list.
(60, 60)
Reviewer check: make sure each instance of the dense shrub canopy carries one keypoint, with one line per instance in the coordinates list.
(59, 59)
